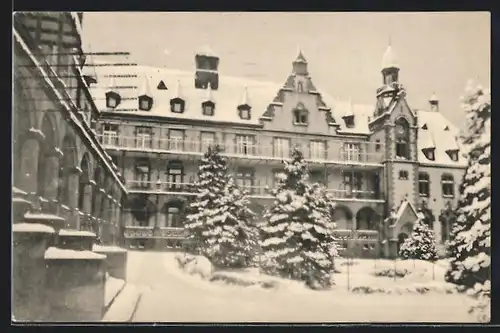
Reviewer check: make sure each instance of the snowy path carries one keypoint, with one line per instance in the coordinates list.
(170, 296)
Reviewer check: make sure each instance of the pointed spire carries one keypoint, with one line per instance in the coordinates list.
(300, 56)
(209, 93)
(177, 91)
(111, 84)
(433, 98)
(389, 59)
(244, 98)
(145, 91)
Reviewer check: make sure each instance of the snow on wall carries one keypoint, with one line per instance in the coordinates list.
(56, 253)
(103, 248)
(32, 227)
(67, 232)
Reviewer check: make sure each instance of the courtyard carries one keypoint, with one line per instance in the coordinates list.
(171, 295)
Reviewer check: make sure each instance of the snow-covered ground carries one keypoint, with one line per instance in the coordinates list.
(171, 295)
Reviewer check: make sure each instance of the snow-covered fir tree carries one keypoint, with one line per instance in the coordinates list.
(297, 238)
(421, 244)
(218, 220)
(470, 244)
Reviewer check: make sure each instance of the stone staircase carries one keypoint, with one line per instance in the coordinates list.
(59, 274)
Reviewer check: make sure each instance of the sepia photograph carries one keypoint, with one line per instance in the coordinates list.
(251, 167)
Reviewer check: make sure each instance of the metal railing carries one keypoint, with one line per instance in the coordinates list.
(260, 190)
(154, 232)
(337, 151)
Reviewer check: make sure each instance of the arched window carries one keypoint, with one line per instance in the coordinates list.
(402, 139)
(300, 87)
(300, 115)
(448, 185)
(142, 174)
(366, 219)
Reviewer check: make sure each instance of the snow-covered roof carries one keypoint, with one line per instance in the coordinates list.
(57, 253)
(441, 135)
(389, 58)
(67, 232)
(32, 228)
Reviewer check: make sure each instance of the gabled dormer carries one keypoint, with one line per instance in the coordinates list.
(113, 98)
(207, 69)
(161, 86)
(177, 103)
(145, 97)
(453, 154)
(208, 104)
(244, 107)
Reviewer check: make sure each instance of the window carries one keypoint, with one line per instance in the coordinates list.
(352, 152)
(317, 177)
(207, 140)
(352, 183)
(208, 108)
(176, 140)
(143, 137)
(424, 127)
(54, 56)
(142, 174)
(448, 185)
(403, 175)
(281, 147)
(377, 145)
(402, 139)
(277, 176)
(349, 121)
(244, 113)
(300, 117)
(453, 154)
(145, 103)
(110, 135)
(175, 175)
(174, 217)
(245, 179)
(161, 86)
(300, 87)
(318, 150)
(423, 184)
(177, 105)
(429, 154)
(244, 144)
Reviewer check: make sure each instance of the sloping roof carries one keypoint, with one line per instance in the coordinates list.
(181, 84)
(442, 139)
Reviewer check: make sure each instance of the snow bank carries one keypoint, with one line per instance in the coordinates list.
(56, 253)
(124, 306)
(67, 232)
(104, 248)
(32, 227)
(195, 265)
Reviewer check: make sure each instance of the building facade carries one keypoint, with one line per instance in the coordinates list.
(59, 166)
(376, 161)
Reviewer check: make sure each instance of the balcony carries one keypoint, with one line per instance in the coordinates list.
(362, 154)
(254, 191)
(152, 232)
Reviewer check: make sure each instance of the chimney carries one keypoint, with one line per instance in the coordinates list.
(207, 69)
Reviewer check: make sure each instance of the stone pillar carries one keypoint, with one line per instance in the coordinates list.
(29, 166)
(51, 180)
(87, 199)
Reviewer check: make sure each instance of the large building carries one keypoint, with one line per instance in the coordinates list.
(376, 160)
(59, 166)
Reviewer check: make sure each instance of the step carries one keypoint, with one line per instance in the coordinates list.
(51, 220)
(124, 306)
(20, 206)
(75, 239)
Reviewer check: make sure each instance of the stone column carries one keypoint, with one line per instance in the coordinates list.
(51, 179)
(28, 167)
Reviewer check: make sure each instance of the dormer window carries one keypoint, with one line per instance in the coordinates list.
(244, 111)
(453, 154)
(424, 127)
(446, 128)
(161, 86)
(112, 99)
(208, 108)
(177, 105)
(349, 121)
(429, 153)
(145, 103)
